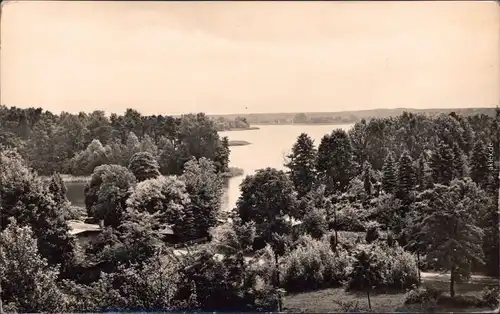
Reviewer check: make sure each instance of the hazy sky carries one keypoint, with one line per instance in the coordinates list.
(234, 57)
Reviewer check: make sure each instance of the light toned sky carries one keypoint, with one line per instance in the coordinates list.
(235, 57)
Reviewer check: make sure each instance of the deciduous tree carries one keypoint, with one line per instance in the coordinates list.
(28, 283)
(265, 198)
(25, 198)
(168, 198)
(106, 193)
(450, 224)
(144, 166)
(204, 186)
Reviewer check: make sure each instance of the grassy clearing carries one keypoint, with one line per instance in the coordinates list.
(68, 178)
(238, 143)
(327, 301)
(334, 300)
(339, 300)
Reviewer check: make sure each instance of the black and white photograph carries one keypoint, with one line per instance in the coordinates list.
(249, 156)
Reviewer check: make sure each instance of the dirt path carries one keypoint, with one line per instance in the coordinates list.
(446, 277)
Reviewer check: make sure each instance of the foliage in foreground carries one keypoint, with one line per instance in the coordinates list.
(28, 283)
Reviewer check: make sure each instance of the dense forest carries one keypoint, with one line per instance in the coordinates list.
(345, 117)
(230, 124)
(76, 144)
(366, 209)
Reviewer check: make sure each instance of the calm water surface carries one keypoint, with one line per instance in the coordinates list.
(270, 145)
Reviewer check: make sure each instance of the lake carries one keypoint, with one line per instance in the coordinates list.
(269, 146)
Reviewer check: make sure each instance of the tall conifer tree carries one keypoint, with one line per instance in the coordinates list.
(480, 164)
(406, 177)
(389, 179)
(458, 162)
(302, 164)
(367, 178)
(441, 164)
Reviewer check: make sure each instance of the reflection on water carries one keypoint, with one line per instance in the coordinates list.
(269, 147)
(75, 193)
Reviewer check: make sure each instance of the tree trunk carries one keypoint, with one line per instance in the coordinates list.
(1, 305)
(280, 305)
(452, 282)
(368, 296)
(418, 268)
(336, 240)
(336, 227)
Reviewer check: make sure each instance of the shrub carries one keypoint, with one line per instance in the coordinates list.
(422, 295)
(75, 213)
(390, 239)
(460, 301)
(349, 217)
(384, 210)
(372, 232)
(350, 240)
(403, 270)
(313, 265)
(351, 306)
(491, 297)
(315, 223)
(389, 268)
(430, 295)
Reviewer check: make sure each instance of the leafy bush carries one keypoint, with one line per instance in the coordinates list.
(351, 306)
(349, 217)
(75, 213)
(422, 295)
(403, 270)
(390, 267)
(315, 223)
(491, 296)
(313, 265)
(356, 189)
(460, 301)
(350, 240)
(390, 240)
(430, 295)
(384, 209)
(372, 232)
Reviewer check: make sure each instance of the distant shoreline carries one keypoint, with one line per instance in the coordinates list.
(233, 172)
(68, 178)
(241, 129)
(326, 123)
(238, 143)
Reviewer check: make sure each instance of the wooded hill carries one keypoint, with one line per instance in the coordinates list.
(346, 116)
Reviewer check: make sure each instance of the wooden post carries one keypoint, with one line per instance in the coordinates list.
(1, 305)
(368, 295)
(418, 268)
(280, 305)
(452, 282)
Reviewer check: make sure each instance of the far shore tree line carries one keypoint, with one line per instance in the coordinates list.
(365, 209)
(76, 144)
(348, 117)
